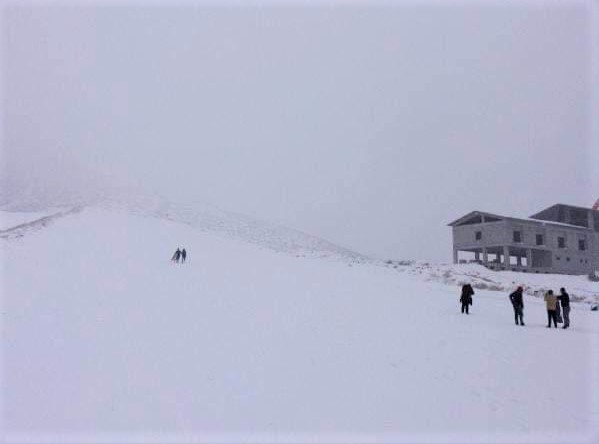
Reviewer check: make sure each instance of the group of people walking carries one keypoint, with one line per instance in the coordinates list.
(552, 302)
(179, 255)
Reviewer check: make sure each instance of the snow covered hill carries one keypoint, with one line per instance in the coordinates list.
(201, 216)
(104, 338)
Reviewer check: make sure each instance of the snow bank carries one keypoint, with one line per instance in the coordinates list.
(580, 288)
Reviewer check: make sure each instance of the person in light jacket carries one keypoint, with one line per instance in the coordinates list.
(551, 302)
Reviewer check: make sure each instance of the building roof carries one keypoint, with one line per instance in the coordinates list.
(565, 206)
(474, 213)
(519, 219)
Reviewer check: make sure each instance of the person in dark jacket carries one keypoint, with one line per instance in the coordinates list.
(183, 255)
(518, 303)
(176, 256)
(466, 298)
(564, 298)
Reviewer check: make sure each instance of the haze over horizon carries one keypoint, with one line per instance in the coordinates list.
(370, 125)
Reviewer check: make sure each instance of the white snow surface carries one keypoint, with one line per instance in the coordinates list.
(284, 338)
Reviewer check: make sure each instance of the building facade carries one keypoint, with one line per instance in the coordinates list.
(559, 239)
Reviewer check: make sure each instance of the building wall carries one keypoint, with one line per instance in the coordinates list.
(564, 260)
(493, 234)
(584, 217)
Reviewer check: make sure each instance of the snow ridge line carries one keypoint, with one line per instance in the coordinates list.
(35, 225)
(276, 237)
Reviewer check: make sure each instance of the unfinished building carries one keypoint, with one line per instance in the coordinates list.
(559, 239)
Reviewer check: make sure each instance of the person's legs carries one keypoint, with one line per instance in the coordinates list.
(554, 317)
(516, 314)
(467, 305)
(463, 309)
(566, 314)
(521, 316)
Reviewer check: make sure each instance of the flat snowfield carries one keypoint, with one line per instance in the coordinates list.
(105, 339)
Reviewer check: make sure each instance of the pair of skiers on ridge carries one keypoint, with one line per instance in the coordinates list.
(179, 254)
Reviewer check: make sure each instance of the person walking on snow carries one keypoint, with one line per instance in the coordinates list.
(551, 302)
(564, 298)
(176, 256)
(183, 255)
(518, 304)
(466, 298)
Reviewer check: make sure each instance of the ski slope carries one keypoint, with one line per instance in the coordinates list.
(103, 338)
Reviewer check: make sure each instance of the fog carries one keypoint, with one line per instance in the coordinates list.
(372, 125)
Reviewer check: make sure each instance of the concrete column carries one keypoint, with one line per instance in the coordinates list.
(519, 260)
(477, 256)
(455, 255)
(591, 220)
(528, 258)
(506, 256)
(485, 256)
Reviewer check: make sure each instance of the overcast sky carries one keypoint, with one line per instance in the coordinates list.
(370, 124)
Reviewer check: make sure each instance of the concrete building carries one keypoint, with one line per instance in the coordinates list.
(559, 239)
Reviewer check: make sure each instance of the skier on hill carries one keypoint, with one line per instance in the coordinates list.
(564, 298)
(518, 304)
(183, 255)
(176, 256)
(466, 298)
(551, 302)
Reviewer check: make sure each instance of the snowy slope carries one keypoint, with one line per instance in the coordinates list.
(103, 337)
(200, 215)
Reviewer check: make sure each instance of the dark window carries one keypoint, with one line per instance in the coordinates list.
(568, 259)
(558, 258)
(581, 245)
(539, 239)
(517, 236)
(561, 242)
(479, 235)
